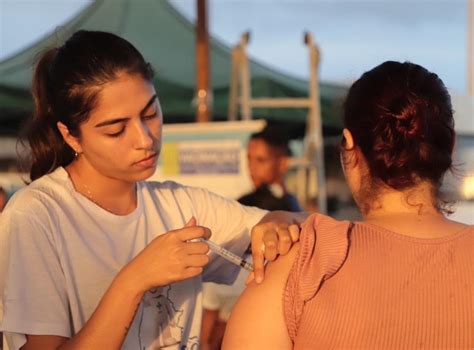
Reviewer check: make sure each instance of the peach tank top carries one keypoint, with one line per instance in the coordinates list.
(362, 286)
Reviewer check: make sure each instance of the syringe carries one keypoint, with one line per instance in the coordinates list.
(235, 259)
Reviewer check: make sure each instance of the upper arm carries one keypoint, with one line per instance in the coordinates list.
(257, 320)
(43, 342)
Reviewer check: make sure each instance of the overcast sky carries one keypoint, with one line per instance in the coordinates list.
(353, 35)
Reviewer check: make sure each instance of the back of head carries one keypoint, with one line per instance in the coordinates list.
(66, 85)
(401, 118)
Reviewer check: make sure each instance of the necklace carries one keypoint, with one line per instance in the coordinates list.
(87, 191)
(82, 187)
(89, 195)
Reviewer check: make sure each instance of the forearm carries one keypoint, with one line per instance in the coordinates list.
(109, 324)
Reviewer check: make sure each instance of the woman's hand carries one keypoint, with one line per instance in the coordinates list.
(171, 257)
(273, 235)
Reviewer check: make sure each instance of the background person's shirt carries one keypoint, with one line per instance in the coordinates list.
(264, 198)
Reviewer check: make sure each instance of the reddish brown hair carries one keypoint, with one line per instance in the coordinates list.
(401, 118)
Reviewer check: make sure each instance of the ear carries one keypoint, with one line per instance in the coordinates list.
(348, 158)
(72, 141)
(349, 140)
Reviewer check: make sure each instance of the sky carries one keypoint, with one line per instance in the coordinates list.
(353, 35)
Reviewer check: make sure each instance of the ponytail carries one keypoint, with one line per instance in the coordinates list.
(47, 147)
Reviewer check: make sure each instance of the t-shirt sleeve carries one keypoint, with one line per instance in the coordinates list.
(230, 224)
(34, 299)
(323, 249)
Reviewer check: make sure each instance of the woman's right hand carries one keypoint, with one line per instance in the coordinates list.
(169, 258)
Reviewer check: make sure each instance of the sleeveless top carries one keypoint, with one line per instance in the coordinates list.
(362, 286)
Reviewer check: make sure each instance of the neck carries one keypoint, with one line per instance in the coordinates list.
(114, 195)
(280, 182)
(418, 201)
(411, 213)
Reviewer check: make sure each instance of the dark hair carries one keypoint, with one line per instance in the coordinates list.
(66, 84)
(401, 118)
(274, 138)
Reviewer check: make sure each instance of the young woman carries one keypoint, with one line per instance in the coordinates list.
(403, 277)
(92, 256)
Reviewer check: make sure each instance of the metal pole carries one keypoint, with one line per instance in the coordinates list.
(203, 94)
(314, 129)
(470, 48)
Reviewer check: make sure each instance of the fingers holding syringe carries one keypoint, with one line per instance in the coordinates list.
(198, 248)
(196, 259)
(189, 233)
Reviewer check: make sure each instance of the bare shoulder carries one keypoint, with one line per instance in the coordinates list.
(280, 268)
(257, 320)
(276, 274)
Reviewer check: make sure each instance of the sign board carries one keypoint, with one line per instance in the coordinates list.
(209, 155)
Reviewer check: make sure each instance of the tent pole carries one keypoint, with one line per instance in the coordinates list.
(470, 48)
(203, 94)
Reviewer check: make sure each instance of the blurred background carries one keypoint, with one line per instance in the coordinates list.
(351, 37)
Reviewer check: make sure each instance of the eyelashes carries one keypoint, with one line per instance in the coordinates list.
(117, 134)
(144, 118)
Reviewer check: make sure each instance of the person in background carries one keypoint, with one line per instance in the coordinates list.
(403, 276)
(268, 156)
(93, 256)
(3, 198)
(3, 203)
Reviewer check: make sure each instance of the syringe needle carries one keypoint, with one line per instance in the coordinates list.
(228, 255)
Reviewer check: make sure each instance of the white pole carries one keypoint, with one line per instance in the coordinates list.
(470, 48)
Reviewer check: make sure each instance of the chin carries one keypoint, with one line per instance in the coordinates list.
(140, 175)
(145, 174)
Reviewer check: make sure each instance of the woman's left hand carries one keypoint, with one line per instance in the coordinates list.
(272, 236)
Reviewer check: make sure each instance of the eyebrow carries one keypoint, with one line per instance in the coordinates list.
(119, 120)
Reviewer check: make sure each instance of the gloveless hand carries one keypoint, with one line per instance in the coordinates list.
(171, 257)
(272, 236)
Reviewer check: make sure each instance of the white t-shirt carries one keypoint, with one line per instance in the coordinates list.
(59, 252)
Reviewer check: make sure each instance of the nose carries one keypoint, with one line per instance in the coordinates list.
(144, 137)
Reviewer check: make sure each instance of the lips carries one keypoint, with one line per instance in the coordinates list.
(148, 162)
(148, 158)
